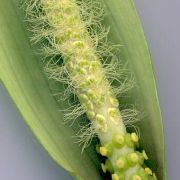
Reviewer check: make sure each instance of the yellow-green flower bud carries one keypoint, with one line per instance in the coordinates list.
(106, 150)
(114, 102)
(83, 98)
(115, 177)
(118, 140)
(90, 114)
(114, 115)
(78, 44)
(101, 124)
(148, 171)
(121, 163)
(136, 177)
(144, 155)
(132, 159)
(134, 137)
(128, 140)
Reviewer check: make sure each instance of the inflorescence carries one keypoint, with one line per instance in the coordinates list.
(74, 31)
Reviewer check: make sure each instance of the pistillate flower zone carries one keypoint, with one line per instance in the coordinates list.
(72, 30)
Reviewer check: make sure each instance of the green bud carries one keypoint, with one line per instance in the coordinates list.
(68, 34)
(132, 159)
(106, 150)
(121, 163)
(115, 177)
(142, 174)
(129, 141)
(76, 35)
(114, 115)
(90, 114)
(135, 177)
(141, 158)
(83, 98)
(118, 140)
(144, 155)
(148, 171)
(103, 98)
(100, 119)
(81, 71)
(134, 137)
(90, 80)
(84, 62)
(101, 123)
(89, 105)
(78, 44)
(92, 95)
(114, 102)
(94, 66)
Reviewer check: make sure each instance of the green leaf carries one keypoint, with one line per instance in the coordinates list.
(23, 77)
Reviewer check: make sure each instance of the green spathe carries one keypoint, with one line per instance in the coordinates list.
(22, 78)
